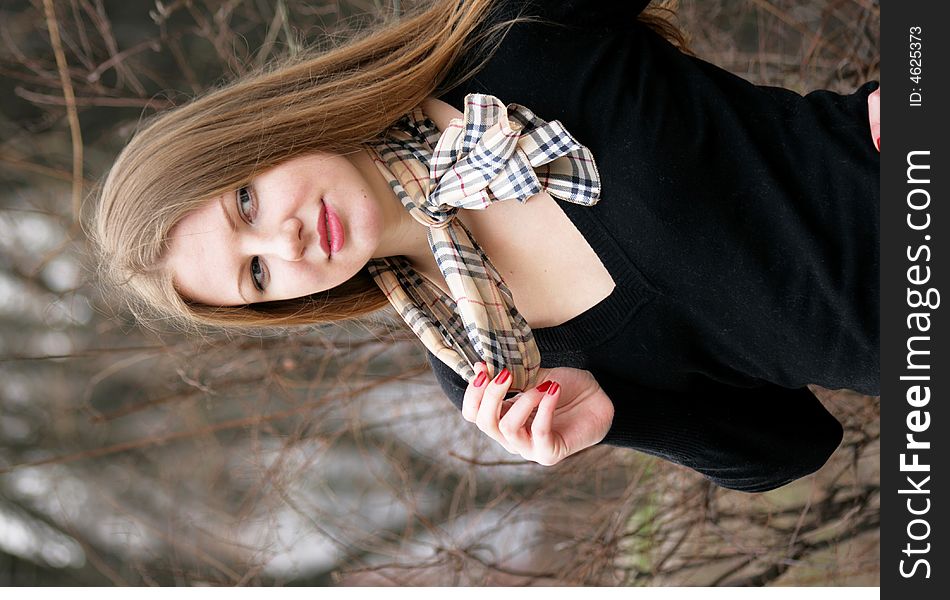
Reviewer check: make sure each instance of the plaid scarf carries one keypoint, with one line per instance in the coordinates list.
(493, 153)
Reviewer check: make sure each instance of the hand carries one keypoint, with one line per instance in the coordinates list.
(874, 117)
(540, 426)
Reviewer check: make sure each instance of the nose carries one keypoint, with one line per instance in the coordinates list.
(287, 243)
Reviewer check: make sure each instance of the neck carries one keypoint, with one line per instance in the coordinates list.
(402, 235)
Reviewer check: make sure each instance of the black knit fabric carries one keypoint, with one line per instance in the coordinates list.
(740, 224)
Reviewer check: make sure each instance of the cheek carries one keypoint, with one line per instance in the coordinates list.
(337, 175)
(305, 277)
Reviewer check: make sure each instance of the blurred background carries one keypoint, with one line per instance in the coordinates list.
(328, 455)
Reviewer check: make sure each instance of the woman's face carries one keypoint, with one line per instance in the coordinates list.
(270, 234)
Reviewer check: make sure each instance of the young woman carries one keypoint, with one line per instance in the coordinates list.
(687, 250)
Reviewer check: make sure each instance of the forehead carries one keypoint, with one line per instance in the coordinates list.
(199, 256)
(207, 216)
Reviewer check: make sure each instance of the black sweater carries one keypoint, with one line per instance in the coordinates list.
(740, 225)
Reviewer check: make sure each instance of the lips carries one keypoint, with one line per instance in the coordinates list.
(337, 238)
(330, 230)
(322, 229)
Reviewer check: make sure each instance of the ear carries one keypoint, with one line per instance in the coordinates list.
(440, 112)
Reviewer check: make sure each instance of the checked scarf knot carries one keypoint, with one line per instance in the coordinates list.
(493, 153)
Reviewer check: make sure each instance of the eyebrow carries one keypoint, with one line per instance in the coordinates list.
(240, 273)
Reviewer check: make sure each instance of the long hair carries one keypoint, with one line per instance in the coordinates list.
(334, 102)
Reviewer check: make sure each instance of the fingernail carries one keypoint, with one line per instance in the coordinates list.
(879, 144)
(544, 386)
(503, 376)
(553, 389)
(480, 379)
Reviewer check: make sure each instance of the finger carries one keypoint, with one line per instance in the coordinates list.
(473, 393)
(512, 425)
(489, 410)
(874, 117)
(542, 430)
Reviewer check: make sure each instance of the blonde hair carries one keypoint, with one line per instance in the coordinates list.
(334, 102)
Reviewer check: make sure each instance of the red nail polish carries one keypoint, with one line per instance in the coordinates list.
(879, 144)
(503, 376)
(553, 389)
(480, 379)
(544, 386)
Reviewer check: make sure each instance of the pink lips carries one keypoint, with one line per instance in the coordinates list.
(328, 220)
(336, 230)
(322, 229)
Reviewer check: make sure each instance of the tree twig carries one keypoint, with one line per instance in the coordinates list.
(70, 100)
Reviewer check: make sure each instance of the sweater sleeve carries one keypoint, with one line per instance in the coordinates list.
(747, 439)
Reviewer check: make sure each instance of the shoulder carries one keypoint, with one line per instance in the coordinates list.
(578, 13)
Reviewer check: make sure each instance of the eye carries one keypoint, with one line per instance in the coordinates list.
(257, 274)
(245, 197)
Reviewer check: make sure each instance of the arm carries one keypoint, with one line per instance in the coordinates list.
(748, 439)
